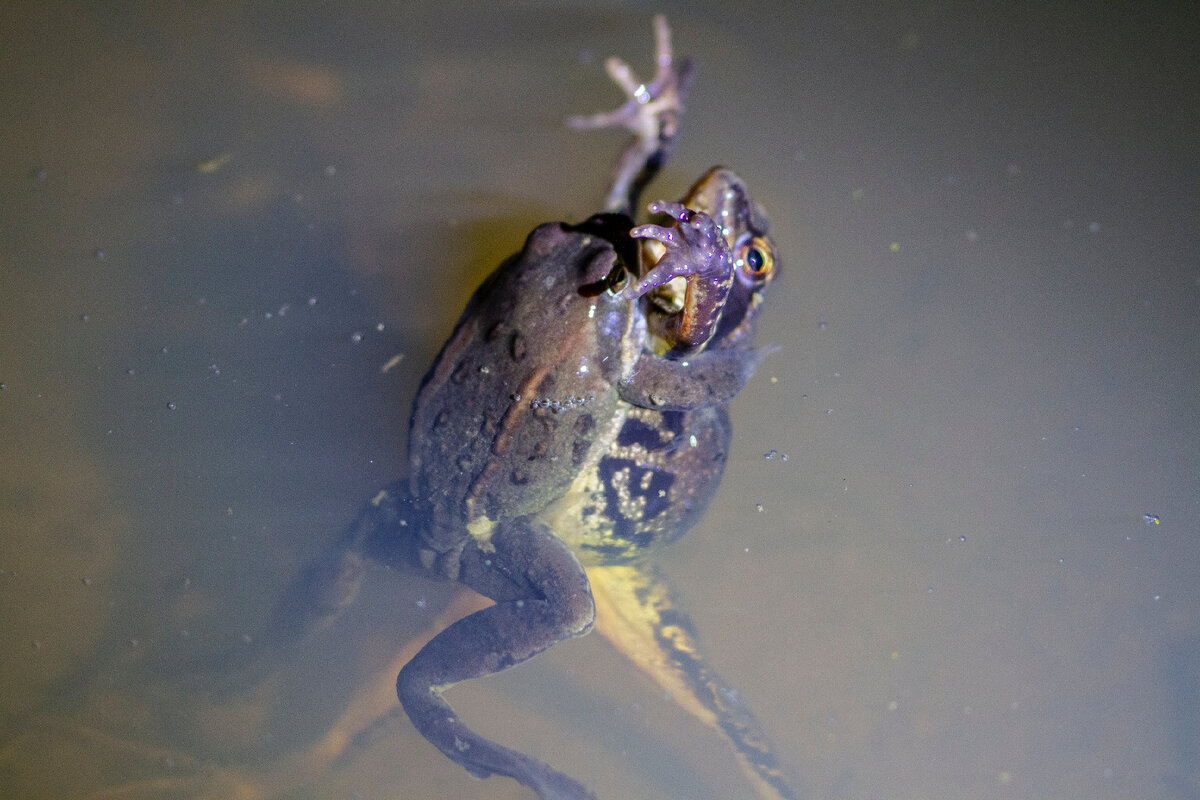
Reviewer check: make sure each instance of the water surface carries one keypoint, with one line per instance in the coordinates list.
(973, 575)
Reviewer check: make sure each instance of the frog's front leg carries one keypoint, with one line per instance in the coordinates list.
(542, 597)
(688, 376)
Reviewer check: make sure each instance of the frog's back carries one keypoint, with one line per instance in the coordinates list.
(520, 398)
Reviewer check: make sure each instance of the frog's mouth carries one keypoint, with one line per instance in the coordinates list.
(668, 298)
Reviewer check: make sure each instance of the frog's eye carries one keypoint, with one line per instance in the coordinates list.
(618, 278)
(755, 257)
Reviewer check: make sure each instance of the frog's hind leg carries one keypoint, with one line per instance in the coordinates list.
(383, 532)
(542, 597)
(636, 612)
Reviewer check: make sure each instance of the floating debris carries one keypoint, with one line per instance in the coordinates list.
(211, 165)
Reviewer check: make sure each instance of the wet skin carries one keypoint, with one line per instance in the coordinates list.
(575, 420)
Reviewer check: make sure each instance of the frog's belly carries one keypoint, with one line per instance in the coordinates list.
(650, 486)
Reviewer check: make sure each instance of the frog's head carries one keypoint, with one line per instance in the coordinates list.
(723, 196)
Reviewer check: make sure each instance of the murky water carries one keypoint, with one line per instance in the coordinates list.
(218, 222)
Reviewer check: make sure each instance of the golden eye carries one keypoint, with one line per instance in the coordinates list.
(756, 259)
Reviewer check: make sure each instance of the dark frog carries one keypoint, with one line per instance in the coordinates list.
(557, 383)
(575, 419)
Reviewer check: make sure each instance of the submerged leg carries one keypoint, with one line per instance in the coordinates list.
(547, 600)
(382, 533)
(638, 615)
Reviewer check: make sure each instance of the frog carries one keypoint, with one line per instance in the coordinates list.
(575, 421)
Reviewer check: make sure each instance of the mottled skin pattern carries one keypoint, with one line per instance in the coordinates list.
(576, 418)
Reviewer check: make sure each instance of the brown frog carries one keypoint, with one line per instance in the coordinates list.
(575, 419)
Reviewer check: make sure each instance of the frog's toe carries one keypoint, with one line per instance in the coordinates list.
(658, 233)
(651, 111)
(645, 102)
(675, 210)
(694, 246)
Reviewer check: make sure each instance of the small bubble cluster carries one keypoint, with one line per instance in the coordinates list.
(561, 405)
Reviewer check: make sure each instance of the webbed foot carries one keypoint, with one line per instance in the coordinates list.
(695, 246)
(651, 111)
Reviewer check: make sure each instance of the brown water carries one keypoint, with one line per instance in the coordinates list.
(218, 221)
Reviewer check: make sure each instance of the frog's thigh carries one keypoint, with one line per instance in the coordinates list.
(636, 612)
(557, 604)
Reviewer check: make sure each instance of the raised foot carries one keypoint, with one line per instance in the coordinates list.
(651, 111)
